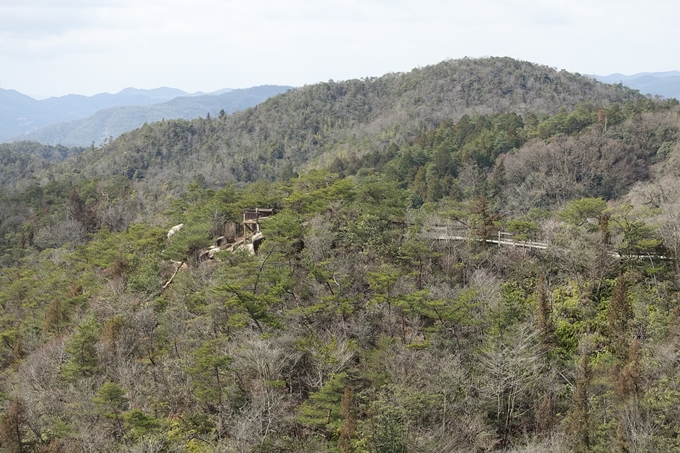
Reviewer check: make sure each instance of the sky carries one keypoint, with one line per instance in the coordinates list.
(57, 47)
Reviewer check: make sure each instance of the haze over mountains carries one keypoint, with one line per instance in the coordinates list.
(110, 123)
(76, 120)
(666, 84)
(20, 113)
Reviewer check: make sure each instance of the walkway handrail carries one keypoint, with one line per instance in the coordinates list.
(446, 232)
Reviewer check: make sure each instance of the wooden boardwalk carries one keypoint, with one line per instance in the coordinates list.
(503, 238)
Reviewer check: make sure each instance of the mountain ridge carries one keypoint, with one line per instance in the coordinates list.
(109, 123)
(20, 113)
(666, 84)
(314, 124)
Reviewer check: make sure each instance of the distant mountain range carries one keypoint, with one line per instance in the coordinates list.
(666, 84)
(20, 114)
(112, 122)
(80, 120)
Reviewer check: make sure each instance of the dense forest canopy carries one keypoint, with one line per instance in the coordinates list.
(478, 255)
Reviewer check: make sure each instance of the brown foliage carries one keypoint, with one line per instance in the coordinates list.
(12, 430)
(578, 420)
(619, 316)
(349, 425)
(543, 316)
(627, 382)
(55, 317)
(545, 413)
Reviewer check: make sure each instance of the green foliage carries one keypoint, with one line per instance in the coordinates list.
(578, 212)
(522, 230)
(111, 402)
(187, 244)
(254, 288)
(570, 319)
(82, 351)
(283, 232)
(638, 237)
(138, 424)
(483, 221)
(619, 316)
(315, 190)
(389, 428)
(322, 410)
(111, 397)
(210, 365)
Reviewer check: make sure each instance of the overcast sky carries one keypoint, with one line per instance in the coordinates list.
(56, 47)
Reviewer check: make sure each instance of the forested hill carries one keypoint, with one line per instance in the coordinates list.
(381, 313)
(317, 123)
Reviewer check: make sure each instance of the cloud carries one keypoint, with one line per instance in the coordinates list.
(211, 44)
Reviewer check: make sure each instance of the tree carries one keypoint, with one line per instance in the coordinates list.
(187, 244)
(255, 285)
(349, 424)
(323, 409)
(382, 283)
(510, 370)
(12, 428)
(669, 230)
(619, 316)
(209, 366)
(544, 322)
(83, 359)
(638, 238)
(483, 221)
(578, 420)
(578, 212)
(112, 402)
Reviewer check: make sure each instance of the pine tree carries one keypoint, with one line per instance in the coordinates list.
(112, 402)
(545, 413)
(578, 420)
(627, 383)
